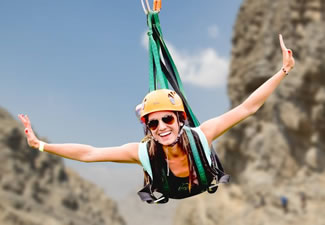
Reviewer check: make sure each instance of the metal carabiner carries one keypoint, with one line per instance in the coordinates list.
(146, 8)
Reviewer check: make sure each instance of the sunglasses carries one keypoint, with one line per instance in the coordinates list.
(153, 124)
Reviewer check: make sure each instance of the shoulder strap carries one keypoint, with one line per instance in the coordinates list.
(144, 158)
(150, 168)
(212, 157)
(202, 176)
(163, 71)
(147, 192)
(209, 159)
(204, 143)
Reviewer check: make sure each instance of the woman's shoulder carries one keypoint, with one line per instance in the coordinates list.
(144, 157)
(197, 130)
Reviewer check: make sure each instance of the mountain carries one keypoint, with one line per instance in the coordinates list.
(276, 158)
(36, 188)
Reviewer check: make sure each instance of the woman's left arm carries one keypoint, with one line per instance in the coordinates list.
(215, 127)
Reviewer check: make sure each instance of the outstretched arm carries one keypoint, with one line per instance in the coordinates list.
(125, 154)
(215, 127)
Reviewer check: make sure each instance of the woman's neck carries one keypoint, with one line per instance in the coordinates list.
(173, 151)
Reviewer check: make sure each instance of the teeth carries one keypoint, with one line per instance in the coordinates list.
(164, 134)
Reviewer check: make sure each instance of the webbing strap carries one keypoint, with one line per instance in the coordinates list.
(146, 195)
(152, 79)
(202, 176)
(171, 61)
(164, 72)
(172, 76)
(155, 71)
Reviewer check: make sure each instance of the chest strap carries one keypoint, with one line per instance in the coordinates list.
(199, 148)
(202, 176)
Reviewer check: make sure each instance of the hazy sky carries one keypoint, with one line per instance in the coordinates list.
(78, 68)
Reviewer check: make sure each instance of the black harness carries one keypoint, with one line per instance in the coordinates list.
(208, 176)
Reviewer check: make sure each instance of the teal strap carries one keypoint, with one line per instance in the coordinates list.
(154, 57)
(157, 22)
(196, 156)
(204, 143)
(152, 81)
(179, 81)
(154, 63)
(144, 158)
(155, 52)
(145, 161)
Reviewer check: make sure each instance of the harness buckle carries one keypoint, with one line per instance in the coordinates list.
(213, 188)
(159, 199)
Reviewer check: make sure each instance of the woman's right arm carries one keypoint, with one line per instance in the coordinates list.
(127, 153)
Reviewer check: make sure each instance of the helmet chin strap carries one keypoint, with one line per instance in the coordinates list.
(178, 136)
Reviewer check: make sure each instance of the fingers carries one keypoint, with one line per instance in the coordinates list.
(29, 133)
(28, 130)
(25, 120)
(283, 47)
(25, 123)
(22, 119)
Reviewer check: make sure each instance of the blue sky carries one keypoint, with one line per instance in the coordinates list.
(79, 68)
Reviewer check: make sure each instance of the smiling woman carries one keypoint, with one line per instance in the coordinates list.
(177, 164)
(175, 155)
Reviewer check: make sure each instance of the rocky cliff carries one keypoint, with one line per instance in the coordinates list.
(37, 189)
(276, 157)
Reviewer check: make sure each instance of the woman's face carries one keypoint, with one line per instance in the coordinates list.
(164, 126)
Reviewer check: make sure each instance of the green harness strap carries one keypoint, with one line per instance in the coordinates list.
(202, 176)
(156, 75)
(162, 73)
(154, 58)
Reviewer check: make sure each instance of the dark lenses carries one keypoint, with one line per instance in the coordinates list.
(153, 124)
(168, 119)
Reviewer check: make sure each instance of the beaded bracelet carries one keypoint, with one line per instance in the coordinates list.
(285, 71)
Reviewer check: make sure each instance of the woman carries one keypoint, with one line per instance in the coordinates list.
(167, 141)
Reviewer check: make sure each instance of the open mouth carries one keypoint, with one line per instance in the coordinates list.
(165, 134)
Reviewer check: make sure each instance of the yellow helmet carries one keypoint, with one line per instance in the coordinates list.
(161, 100)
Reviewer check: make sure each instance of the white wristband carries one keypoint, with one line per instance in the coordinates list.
(41, 146)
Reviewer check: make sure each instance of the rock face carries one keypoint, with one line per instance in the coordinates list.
(36, 188)
(276, 157)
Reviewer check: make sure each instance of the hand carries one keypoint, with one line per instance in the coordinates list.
(287, 59)
(31, 137)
